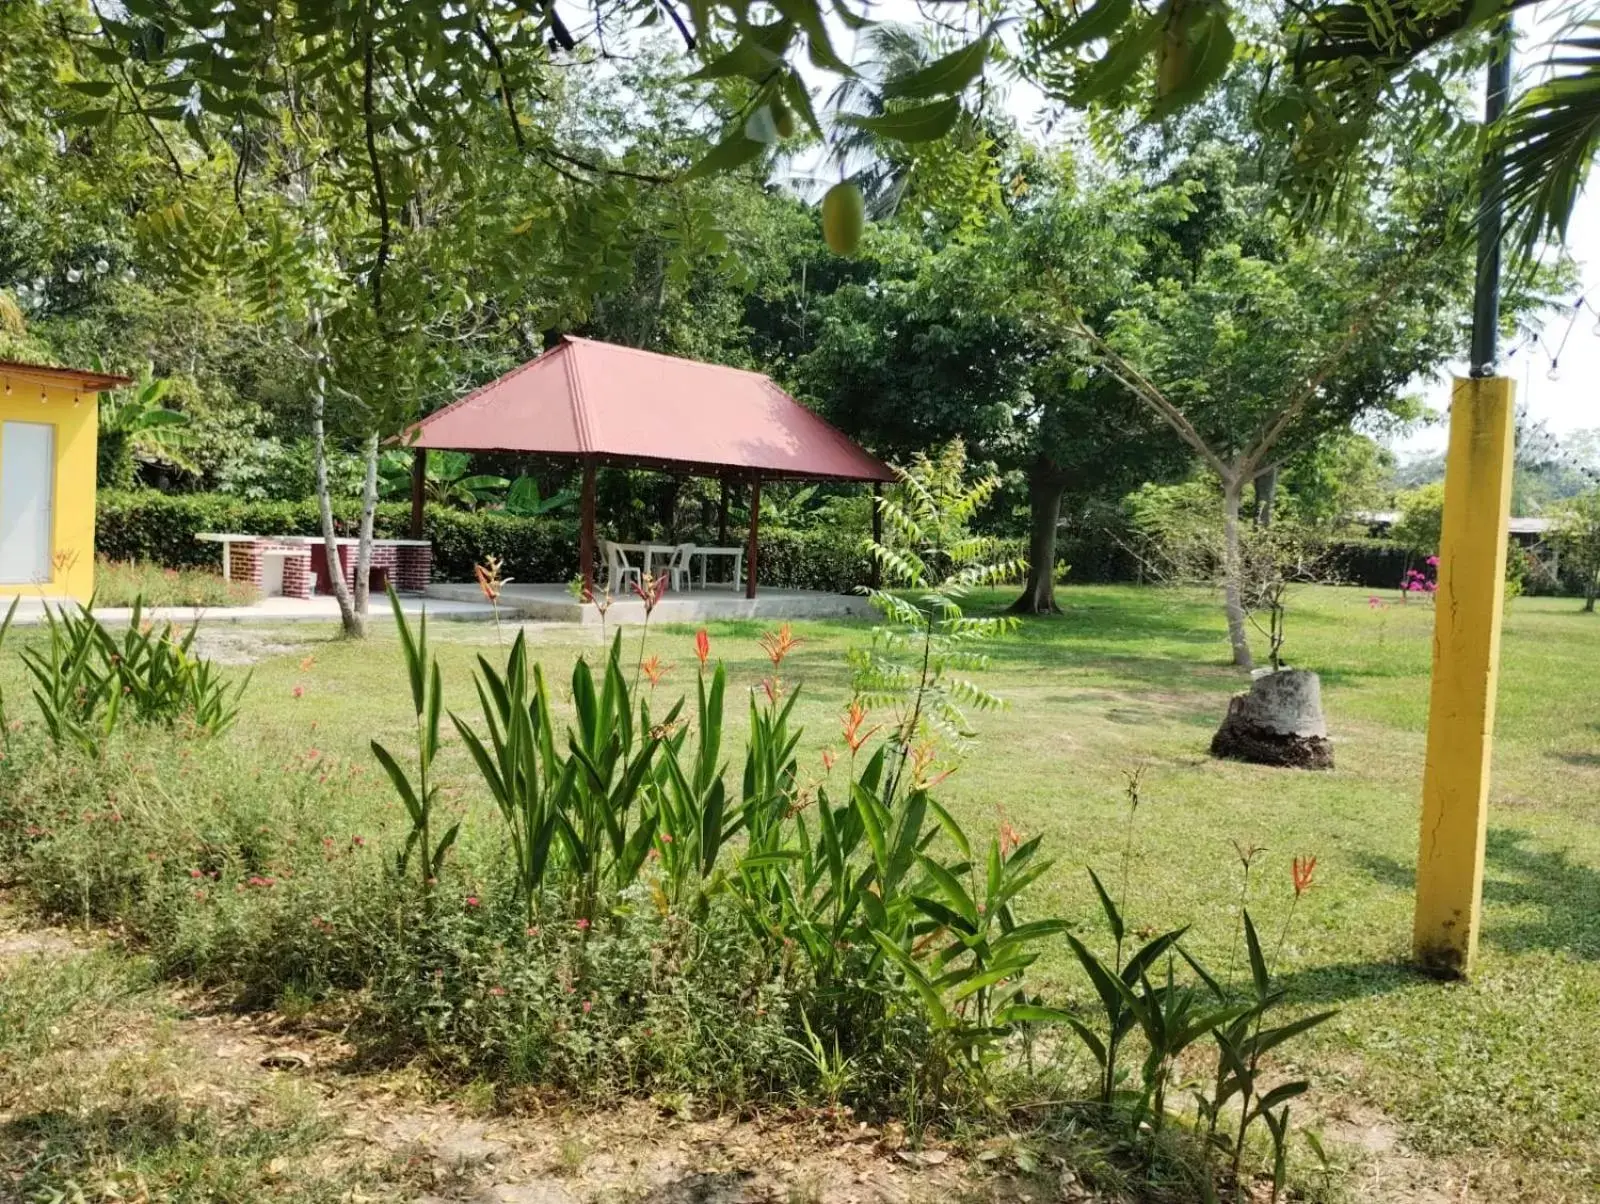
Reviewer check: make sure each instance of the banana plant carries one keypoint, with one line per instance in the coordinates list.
(419, 797)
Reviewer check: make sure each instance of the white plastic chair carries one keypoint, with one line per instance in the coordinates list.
(619, 573)
(677, 569)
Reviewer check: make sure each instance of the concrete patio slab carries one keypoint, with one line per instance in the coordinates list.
(555, 603)
(30, 611)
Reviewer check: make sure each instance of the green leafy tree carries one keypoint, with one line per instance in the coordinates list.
(1277, 341)
(1576, 537)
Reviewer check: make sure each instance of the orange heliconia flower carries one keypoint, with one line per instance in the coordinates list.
(854, 718)
(1304, 868)
(922, 759)
(654, 668)
(702, 646)
(778, 644)
(1010, 838)
(490, 578)
(828, 758)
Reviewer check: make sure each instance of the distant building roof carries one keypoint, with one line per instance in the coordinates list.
(1518, 526)
(621, 405)
(67, 376)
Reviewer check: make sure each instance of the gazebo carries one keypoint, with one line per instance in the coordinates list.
(603, 404)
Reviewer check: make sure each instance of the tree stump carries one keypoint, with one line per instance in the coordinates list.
(1277, 721)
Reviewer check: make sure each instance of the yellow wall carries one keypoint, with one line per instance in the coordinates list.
(75, 415)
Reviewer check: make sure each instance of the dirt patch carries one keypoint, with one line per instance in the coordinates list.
(239, 645)
(43, 943)
(400, 1133)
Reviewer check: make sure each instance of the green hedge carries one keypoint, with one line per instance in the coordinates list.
(1372, 563)
(145, 525)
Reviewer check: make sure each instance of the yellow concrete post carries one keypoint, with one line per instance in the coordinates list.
(1466, 666)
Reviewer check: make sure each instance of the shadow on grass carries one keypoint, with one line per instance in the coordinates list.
(1346, 981)
(1566, 893)
(56, 1147)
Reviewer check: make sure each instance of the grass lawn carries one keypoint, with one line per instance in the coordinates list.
(1497, 1078)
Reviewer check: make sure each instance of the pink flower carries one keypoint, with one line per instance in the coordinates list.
(358, 841)
(533, 931)
(1433, 562)
(497, 990)
(583, 925)
(196, 874)
(298, 691)
(587, 1007)
(472, 900)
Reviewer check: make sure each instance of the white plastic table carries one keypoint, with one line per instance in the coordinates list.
(705, 554)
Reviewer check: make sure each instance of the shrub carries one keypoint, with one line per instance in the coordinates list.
(159, 529)
(1372, 563)
(124, 582)
(1421, 518)
(841, 939)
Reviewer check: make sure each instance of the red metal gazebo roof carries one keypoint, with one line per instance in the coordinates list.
(611, 404)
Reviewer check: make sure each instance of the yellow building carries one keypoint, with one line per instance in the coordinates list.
(49, 420)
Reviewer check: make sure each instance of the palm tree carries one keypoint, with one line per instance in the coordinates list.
(1348, 54)
(882, 170)
(135, 426)
(885, 169)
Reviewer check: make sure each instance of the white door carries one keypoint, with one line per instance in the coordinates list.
(27, 489)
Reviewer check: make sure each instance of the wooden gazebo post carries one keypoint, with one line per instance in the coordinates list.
(419, 488)
(586, 527)
(877, 533)
(755, 527)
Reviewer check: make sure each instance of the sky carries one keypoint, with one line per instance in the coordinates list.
(1571, 399)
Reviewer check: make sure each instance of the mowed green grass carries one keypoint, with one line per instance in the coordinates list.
(1501, 1074)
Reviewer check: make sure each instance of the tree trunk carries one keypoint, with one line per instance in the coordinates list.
(1044, 507)
(1590, 593)
(1233, 572)
(1277, 721)
(1266, 494)
(348, 616)
(369, 509)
